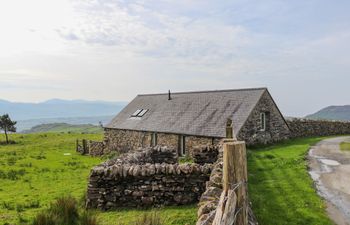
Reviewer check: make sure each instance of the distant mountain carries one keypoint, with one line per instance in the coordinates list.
(28, 115)
(65, 128)
(332, 113)
(58, 108)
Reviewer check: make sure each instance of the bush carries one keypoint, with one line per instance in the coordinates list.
(64, 211)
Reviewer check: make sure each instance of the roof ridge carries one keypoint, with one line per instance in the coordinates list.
(207, 91)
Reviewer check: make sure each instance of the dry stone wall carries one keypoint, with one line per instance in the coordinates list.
(205, 154)
(210, 198)
(96, 148)
(138, 180)
(192, 142)
(311, 128)
(157, 154)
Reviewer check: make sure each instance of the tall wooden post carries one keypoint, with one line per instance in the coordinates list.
(233, 200)
(235, 176)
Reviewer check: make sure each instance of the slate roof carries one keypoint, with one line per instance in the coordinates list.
(202, 113)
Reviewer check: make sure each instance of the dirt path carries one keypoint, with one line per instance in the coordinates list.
(330, 169)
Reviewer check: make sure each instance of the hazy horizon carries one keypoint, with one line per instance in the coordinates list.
(113, 50)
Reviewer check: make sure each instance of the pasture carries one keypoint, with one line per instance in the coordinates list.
(42, 167)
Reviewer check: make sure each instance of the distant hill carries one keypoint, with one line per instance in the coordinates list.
(65, 128)
(332, 113)
(58, 108)
(94, 120)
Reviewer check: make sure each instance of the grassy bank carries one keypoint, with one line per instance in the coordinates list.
(345, 146)
(42, 167)
(280, 188)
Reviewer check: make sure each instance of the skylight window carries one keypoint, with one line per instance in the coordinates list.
(143, 112)
(136, 113)
(139, 113)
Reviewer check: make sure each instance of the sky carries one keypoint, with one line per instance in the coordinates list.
(115, 49)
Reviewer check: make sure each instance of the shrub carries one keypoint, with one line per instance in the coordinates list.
(66, 210)
(185, 159)
(151, 218)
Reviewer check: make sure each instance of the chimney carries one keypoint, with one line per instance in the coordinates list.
(169, 95)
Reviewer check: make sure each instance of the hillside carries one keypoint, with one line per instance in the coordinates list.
(57, 108)
(65, 128)
(332, 113)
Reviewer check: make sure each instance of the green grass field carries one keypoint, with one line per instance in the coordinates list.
(280, 188)
(41, 167)
(345, 146)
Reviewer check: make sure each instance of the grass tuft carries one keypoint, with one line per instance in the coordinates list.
(88, 218)
(64, 211)
(150, 218)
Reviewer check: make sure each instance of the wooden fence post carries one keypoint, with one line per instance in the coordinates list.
(77, 145)
(85, 150)
(233, 203)
(236, 177)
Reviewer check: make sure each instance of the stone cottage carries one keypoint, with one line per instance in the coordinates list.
(184, 120)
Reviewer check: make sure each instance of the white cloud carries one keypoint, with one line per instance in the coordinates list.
(114, 49)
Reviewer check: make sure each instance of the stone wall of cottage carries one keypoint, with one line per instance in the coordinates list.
(312, 128)
(191, 142)
(136, 180)
(127, 140)
(276, 128)
(170, 140)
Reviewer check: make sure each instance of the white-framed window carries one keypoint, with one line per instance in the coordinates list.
(263, 121)
(182, 145)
